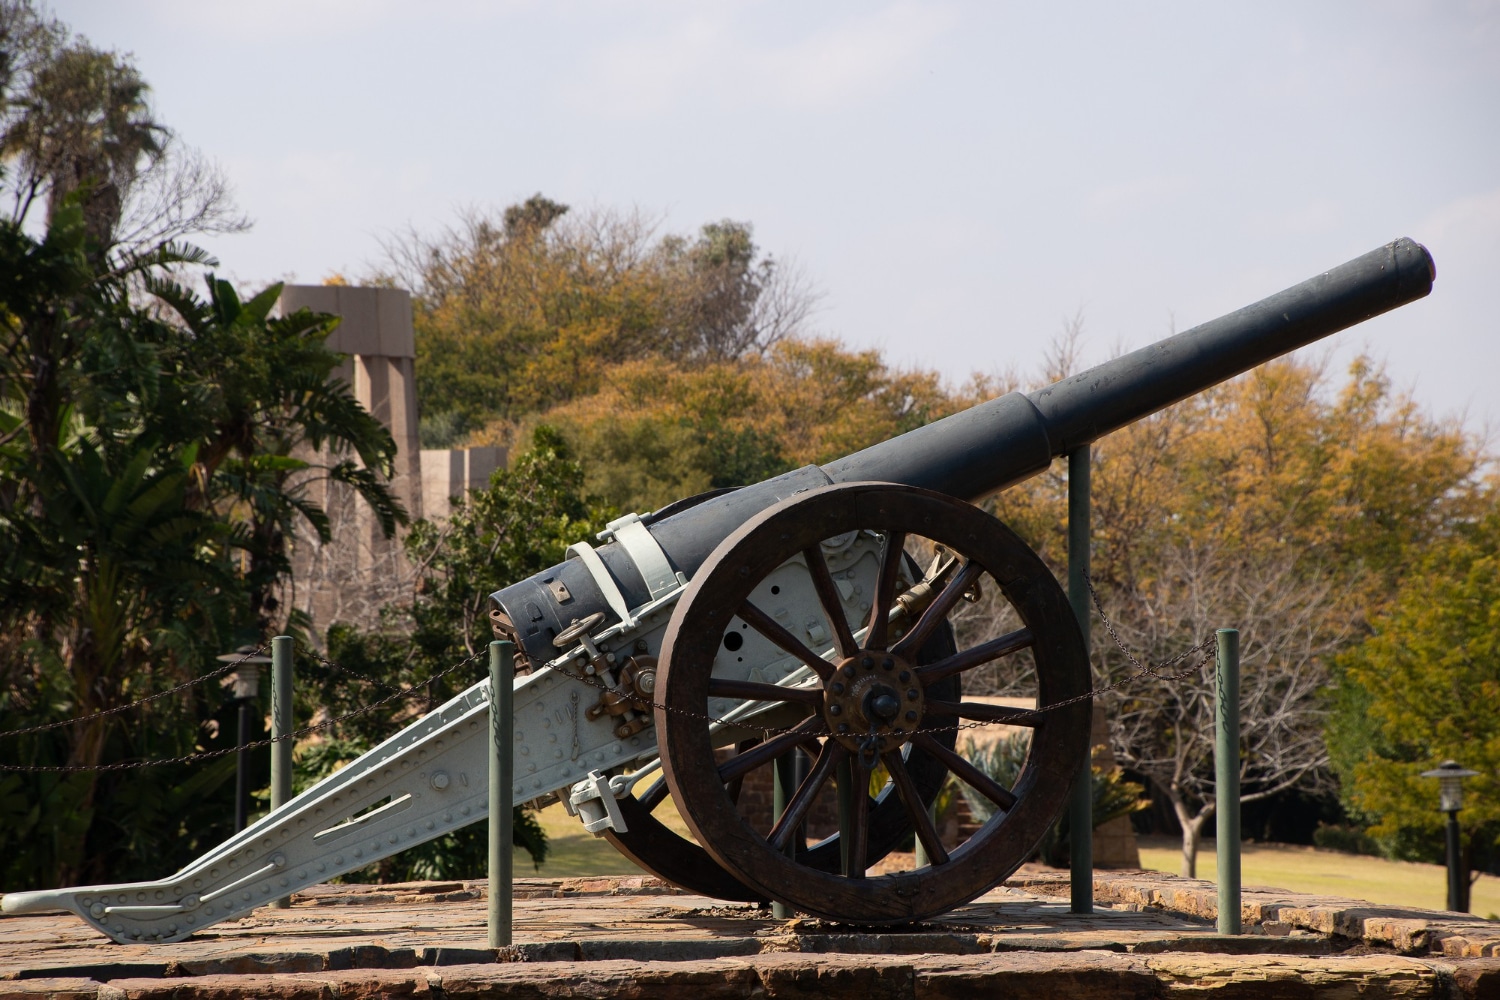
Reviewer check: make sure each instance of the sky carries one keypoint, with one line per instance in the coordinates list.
(957, 179)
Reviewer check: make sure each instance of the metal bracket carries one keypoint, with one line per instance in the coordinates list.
(606, 583)
(606, 814)
(649, 559)
(645, 552)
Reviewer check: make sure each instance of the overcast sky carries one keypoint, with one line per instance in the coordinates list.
(956, 177)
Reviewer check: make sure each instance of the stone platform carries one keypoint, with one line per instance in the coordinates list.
(1152, 936)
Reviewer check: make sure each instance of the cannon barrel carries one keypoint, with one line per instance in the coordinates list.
(990, 446)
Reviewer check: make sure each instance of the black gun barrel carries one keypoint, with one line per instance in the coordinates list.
(996, 444)
(999, 443)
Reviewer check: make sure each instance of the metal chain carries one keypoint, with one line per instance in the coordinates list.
(1144, 670)
(217, 672)
(325, 661)
(1207, 646)
(210, 754)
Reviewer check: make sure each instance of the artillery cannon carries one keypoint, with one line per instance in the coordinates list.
(812, 614)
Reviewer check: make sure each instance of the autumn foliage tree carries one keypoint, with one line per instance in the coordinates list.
(529, 308)
(1271, 505)
(660, 430)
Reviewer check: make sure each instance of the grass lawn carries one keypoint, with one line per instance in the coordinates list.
(1307, 869)
(575, 852)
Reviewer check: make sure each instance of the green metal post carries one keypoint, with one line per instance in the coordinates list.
(281, 725)
(1081, 802)
(502, 792)
(1227, 777)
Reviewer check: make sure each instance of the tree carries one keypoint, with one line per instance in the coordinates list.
(144, 493)
(1262, 505)
(731, 301)
(275, 430)
(525, 311)
(76, 124)
(1423, 687)
(660, 430)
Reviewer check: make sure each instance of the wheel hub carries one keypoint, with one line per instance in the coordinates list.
(873, 693)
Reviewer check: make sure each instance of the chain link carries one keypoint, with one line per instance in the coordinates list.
(217, 672)
(1207, 646)
(1142, 670)
(325, 661)
(211, 754)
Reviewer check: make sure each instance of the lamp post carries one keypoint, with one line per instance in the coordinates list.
(246, 683)
(1450, 800)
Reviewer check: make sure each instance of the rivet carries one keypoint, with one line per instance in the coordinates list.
(911, 716)
(904, 676)
(849, 670)
(843, 727)
(887, 663)
(868, 662)
(835, 709)
(912, 693)
(837, 687)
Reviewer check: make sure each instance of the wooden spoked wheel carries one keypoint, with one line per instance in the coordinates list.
(876, 705)
(665, 853)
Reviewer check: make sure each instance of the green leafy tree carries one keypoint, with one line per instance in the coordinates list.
(281, 427)
(146, 484)
(1423, 689)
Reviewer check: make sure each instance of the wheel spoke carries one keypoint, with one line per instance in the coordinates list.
(939, 608)
(828, 596)
(769, 750)
(859, 820)
(967, 659)
(885, 590)
(980, 712)
(967, 772)
(723, 687)
(654, 795)
(734, 785)
(915, 807)
(772, 629)
(796, 809)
